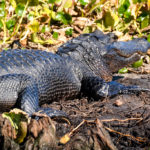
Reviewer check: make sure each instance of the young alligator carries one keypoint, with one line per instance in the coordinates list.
(29, 78)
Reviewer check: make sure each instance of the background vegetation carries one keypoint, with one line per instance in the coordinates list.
(50, 22)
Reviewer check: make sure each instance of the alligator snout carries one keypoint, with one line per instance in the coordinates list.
(121, 54)
(128, 48)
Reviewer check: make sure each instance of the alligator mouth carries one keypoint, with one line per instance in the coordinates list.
(125, 55)
(127, 49)
(117, 60)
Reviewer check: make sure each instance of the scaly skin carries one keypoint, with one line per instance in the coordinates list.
(29, 78)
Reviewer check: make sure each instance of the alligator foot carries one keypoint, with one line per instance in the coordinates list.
(52, 113)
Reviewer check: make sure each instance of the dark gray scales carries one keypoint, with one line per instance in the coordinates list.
(29, 78)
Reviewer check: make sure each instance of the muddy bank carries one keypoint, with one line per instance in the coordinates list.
(121, 122)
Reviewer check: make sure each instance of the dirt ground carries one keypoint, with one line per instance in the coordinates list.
(121, 122)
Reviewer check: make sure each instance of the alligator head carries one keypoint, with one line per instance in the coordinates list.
(118, 54)
(121, 54)
(102, 53)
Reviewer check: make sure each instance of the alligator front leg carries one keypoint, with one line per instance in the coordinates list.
(98, 88)
(30, 102)
(19, 90)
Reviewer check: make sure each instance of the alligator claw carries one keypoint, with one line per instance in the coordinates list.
(52, 113)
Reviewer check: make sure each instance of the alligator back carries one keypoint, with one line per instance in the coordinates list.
(29, 62)
(53, 75)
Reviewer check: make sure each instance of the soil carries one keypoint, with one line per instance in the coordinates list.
(121, 122)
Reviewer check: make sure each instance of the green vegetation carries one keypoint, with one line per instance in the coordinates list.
(123, 70)
(29, 19)
(137, 63)
(19, 120)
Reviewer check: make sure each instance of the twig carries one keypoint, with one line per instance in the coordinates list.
(139, 139)
(123, 120)
(104, 135)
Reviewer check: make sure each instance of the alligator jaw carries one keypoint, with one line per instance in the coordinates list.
(121, 54)
(128, 48)
(116, 62)
(125, 55)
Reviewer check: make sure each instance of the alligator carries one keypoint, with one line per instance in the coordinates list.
(30, 78)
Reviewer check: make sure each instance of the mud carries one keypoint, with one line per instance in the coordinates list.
(121, 122)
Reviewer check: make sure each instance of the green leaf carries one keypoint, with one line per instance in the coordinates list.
(31, 2)
(19, 9)
(49, 12)
(135, 1)
(127, 13)
(138, 63)
(34, 26)
(45, 29)
(148, 38)
(123, 70)
(124, 5)
(145, 22)
(51, 1)
(55, 35)
(69, 32)
(108, 20)
(84, 2)
(34, 37)
(116, 18)
(59, 16)
(1, 24)
(6, 49)
(138, 1)
(68, 4)
(10, 24)
(13, 3)
(63, 17)
(2, 9)
(14, 119)
(58, 1)
(54, 1)
(144, 18)
(87, 29)
(30, 17)
(19, 121)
